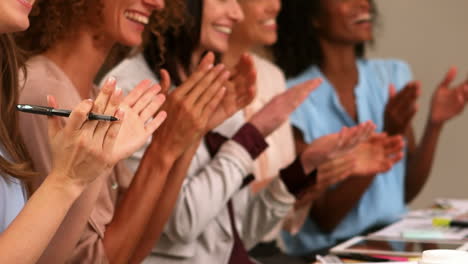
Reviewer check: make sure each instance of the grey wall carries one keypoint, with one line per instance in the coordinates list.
(431, 35)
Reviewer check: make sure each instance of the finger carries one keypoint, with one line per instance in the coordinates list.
(156, 122)
(132, 98)
(111, 109)
(392, 90)
(79, 117)
(55, 122)
(209, 92)
(101, 102)
(205, 65)
(205, 84)
(165, 81)
(146, 98)
(213, 103)
(448, 78)
(108, 141)
(153, 107)
(299, 93)
(408, 96)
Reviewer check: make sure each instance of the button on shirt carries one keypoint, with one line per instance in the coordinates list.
(322, 114)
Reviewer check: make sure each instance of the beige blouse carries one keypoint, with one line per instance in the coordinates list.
(99, 201)
(281, 151)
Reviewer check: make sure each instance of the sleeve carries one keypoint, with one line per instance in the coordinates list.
(265, 211)
(401, 74)
(215, 184)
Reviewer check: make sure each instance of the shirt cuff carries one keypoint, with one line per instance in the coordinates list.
(214, 141)
(295, 178)
(251, 139)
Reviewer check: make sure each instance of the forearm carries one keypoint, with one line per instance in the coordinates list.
(419, 163)
(330, 210)
(123, 234)
(165, 205)
(30, 233)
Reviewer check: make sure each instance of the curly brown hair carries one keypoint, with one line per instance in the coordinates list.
(52, 20)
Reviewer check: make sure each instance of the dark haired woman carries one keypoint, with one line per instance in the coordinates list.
(216, 218)
(321, 38)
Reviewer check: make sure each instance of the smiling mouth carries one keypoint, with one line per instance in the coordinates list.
(137, 17)
(364, 18)
(223, 29)
(270, 22)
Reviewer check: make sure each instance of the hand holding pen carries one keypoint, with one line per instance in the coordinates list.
(50, 111)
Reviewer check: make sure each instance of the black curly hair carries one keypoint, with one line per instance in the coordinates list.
(298, 45)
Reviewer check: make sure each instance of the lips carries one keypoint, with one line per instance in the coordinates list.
(137, 17)
(27, 3)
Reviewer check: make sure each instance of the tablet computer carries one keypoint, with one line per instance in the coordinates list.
(396, 247)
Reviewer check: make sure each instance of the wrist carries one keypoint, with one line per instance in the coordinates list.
(434, 124)
(64, 185)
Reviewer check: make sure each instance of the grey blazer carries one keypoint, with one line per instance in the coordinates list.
(199, 230)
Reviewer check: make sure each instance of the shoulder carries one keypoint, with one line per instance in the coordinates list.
(310, 73)
(42, 78)
(130, 72)
(393, 71)
(265, 66)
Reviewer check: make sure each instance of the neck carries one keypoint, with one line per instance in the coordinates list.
(338, 59)
(80, 56)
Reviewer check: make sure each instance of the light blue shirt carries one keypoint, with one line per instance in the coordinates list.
(12, 198)
(322, 114)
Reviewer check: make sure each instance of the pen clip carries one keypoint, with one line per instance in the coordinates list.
(33, 108)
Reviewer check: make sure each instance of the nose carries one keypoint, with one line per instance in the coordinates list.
(154, 4)
(235, 12)
(364, 4)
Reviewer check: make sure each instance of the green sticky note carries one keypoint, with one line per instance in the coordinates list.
(422, 234)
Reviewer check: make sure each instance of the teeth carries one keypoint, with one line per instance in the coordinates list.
(137, 17)
(223, 29)
(363, 18)
(270, 22)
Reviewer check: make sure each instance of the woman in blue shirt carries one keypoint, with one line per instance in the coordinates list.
(326, 38)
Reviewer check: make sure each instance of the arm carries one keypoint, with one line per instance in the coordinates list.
(165, 205)
(79, 157)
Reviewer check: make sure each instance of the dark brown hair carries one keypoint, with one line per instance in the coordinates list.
(17, 162)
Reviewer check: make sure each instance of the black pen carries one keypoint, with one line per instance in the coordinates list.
(49, 111)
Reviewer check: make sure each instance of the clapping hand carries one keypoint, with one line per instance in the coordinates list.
(240, 91)
(448, 102)
(401, 108)
(378, 154)
(277, 111)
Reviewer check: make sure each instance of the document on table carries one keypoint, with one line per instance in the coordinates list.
(417, 228)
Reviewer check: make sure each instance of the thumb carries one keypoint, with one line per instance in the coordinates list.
(392, 90)
(55, 123)
(449, 77)
(165, 81)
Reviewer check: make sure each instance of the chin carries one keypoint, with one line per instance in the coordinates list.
(131, 41)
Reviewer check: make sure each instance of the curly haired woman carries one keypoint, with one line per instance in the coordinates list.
(70, 41)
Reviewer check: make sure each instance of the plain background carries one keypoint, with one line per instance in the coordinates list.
(431, 35)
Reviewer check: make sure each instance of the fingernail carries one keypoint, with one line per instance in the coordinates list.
(110, 80)
(210, 66)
